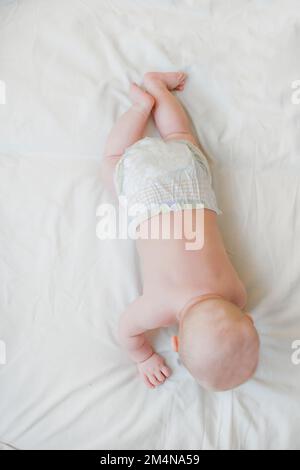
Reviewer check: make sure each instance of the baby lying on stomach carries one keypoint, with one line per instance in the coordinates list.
(188, 279)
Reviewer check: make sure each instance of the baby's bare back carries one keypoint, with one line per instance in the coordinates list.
(170, 269)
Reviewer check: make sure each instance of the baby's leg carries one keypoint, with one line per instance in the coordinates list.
(128, 129)
(169, 115)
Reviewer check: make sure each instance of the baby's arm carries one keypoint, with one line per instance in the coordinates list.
(142, 316)
(133, 324)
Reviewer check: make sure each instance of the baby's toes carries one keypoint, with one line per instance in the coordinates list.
(180, 76)
(181, 87)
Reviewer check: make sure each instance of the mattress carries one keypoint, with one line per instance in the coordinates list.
(65, 70)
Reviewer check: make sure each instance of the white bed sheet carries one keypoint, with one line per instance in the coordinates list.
(67, 65)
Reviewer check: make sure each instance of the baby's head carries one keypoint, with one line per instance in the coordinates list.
(217, 343)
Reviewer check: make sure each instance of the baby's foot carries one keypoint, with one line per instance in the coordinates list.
(172, 80)
(154, 371)
(141, 98)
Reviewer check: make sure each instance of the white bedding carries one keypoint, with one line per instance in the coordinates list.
(67, 65)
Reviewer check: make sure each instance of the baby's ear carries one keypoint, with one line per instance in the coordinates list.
(175, 343)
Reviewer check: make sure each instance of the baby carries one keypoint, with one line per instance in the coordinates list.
(198, 289)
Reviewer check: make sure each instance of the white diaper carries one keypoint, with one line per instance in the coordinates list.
(155, 176)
